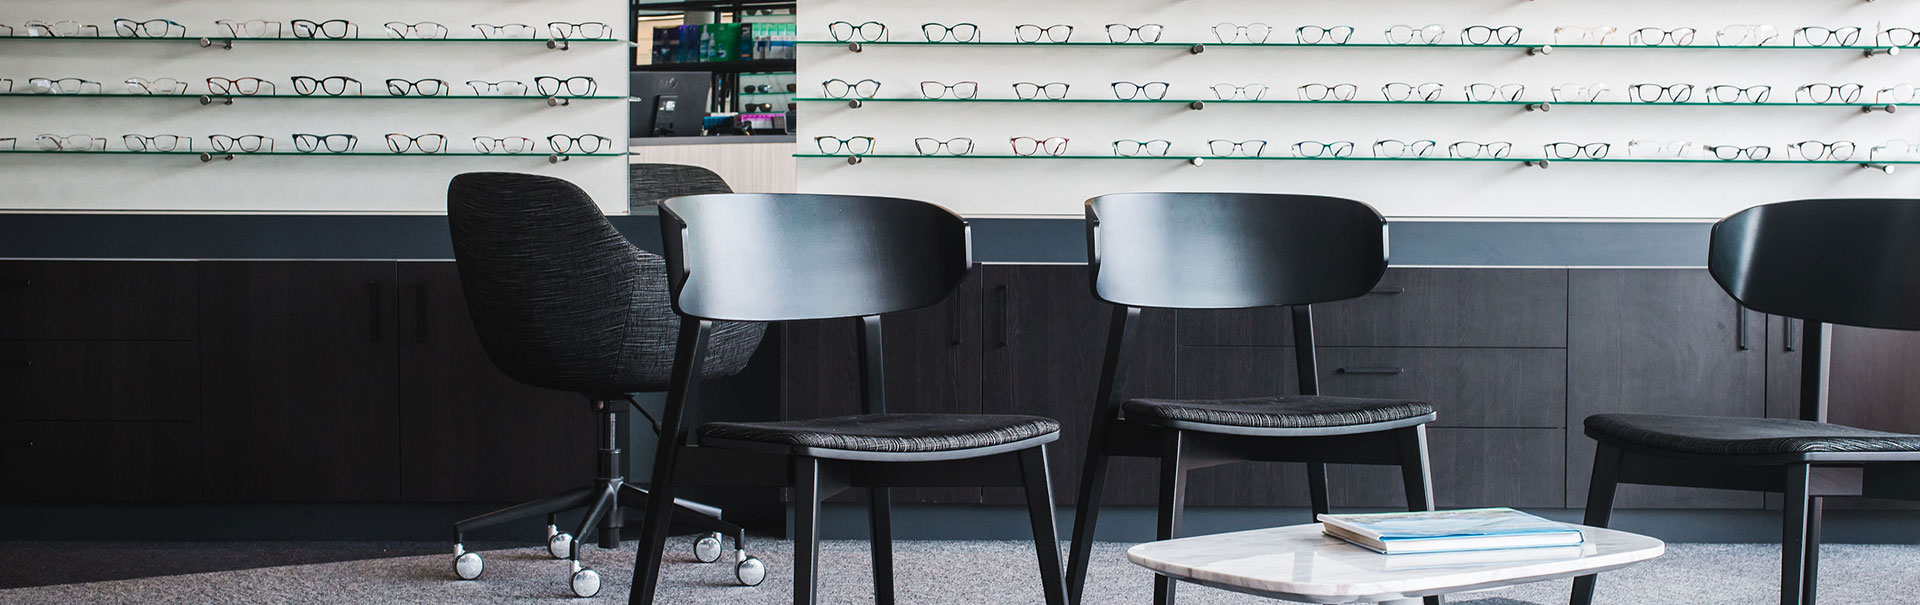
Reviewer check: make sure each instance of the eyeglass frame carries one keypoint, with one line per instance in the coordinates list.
(593, 86)
(1332, 91)
(948, 31)
(1240, 90)
(480, 91)
(1143, 89)
(1045, 35)
(321, 142)
(241, 32)
(319, 86)
(317, 30)
(1145, 148)
(1828, 151)
(1846, 36)
(1766, 91)
(852, 88)
(1415, 90)
(1418, 33)
(1499, 92)
(1337, 149)
(1251, 148)
(1674, 93)
(146, 87)
(1675, 35)
(843, 144)
(860, 29)
(1495, 35)
(1134, 35)
(149, 140)
(1240, 31)
(1040, 146)
(1834, 89)
(237, 144)
(400, 33)
(412, 87)
(1040, 90)
(60, 142)
(953, 88)
(1421, 148)
(138, 29)
(414, 142)
(1327, 34)
(479, 144)
(533, 33)
(53, 86)
(1748, 152)
(948, 146)
(1551, 151)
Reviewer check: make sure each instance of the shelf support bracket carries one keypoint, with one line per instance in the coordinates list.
(1875, 52)
(1197, 49)
(1197, 105)
(1541, 164)
(1889, 108)
(1884, 168)
(1540, 107)
(1540, 51)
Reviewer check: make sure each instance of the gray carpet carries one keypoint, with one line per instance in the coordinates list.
(931, 573)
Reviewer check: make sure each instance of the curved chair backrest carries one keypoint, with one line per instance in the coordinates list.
(650, 184)
(777, 257)
(1853, 262)
(1232, 250)
(560, 299)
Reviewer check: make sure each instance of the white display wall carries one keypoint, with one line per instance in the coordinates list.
(370, 180)
(1400, 188)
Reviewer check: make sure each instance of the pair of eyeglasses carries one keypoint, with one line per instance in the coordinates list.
(1655, 93)
(1476, 149)
(330, 143)
(1815, 151)
(1029, 33)
(1027, 146)
(71, 142)
(245, 143)
(254, 28)
(1579, 93)
(1896, 149)
(428, 87)
(1735, 152)
(332, 86)
(1897, 36)
(1728, 93)
(1256, 33)
(62, 29)
(1483, 35)
(1899, 93)
(1488, 92)
(932, 146)
(425, 143)
(1250, 92)
(333, 29)
(585, 30)
(1121, 33)
(1314, 34)
(1659, 149)
(1569, 151)
(150, 28)
(576, 86)
(1746, 35)
(1252, 148)
(1028, 91)
(1654, 36)
(503, 88)
(161, 86)
(506, 31)
(245, 87)
(1327, 92)
(846, 31)
(424, 30)
(502, 144)
(1407, 34)
(159, 143)
(1583, 34)
(1395, 148)
(63, 86)
(1402, 91)
(966, 89)
(839, 89)
(958, 32)
(1128, 91)
(860, 145)
(1828, 93)
(1131, 148)
(1814, 35)
(1317, 149)
(586, 143)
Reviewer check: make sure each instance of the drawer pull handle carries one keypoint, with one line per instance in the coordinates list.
(16, 364)
(24, 444)
(1380, 371)
(16, 283)
(1388, 291)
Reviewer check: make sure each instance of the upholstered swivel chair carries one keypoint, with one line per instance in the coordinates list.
(650, 184)
(562, 301)
(1853, 262)
(1236, 251)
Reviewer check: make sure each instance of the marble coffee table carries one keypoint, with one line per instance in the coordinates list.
(1298, 563)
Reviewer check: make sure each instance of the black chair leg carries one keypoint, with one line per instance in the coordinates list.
(1814, 511)
(806, 529)
(1606, 476)
(1317, 489)
(1093, 480)
(880, 536)
(1416, 474)
(1046, 539)
(653, 532)
(1794, 534)
(608, 499)
(1173, 502)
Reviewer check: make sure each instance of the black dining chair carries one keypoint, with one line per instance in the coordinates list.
(1848, 262)
(772, 258)
(1204, 251)
(562, 301)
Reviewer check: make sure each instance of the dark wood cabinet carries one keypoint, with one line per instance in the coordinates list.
(1413, 308)
(98, 300)
(100, 380)
(100, 461)
(1469, 387)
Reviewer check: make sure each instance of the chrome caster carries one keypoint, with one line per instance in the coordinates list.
(707, 548)
(466, 565)
(586, 582)
(750, 571)
(559, 544)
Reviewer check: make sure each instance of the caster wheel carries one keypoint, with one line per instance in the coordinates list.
(586, 583)
(750, 572)
(559, 545)
(707, 549)
(468, 566)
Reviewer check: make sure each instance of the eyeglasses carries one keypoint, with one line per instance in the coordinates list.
(424, 30)
(63, 86)
(331, 143)
(151, 28)
(1736, 152)
(1251, 92)
(1579, 93)
(1407, 34)
(1654, 36)
(1130, 148)
(1896, 149)
(1745, 35)
(503, 88)
(332, 86)
(1402, 91)
(961, 90)
(586, 143)
(839, 89)
(1119, 33)
(1224, 148)
(1153, 91)
(1654, 93)
(505, 31)
(932, 146)
(1899, 93)
(246, 143)
(1395, 148)
(1728, 93)
(71, 142)
(1324, 92)
(845, 31)
(850, 145)
(1030, 33)
(1568, 151)
(62, 29)
(1658, 149)
(1815, 35)
(1317, 149)
(155, 143)
(1487, 92)
(256, 28)
(502, 144)
(245, 87)
(1473, 149)
(1837, 151)
(1597, 34)
(958, 32)
(1256, 33)
(1027, 146)
(335, 29)
(1314, 34)
(1482, 35)
(162, 86)
(1027, 91)
(1897, 36)
(1828, 93)
(428, 87)
(578, 86)
(585, 30)
(426, 143)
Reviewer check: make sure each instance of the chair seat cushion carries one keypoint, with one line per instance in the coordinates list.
(1744, 436)
(1289, 412)
(892, 433)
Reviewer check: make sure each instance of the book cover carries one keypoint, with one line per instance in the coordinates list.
(1444, 531)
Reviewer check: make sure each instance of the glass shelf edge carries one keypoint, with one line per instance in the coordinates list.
(1188, 45)
(1359, 159)
(1355, 102)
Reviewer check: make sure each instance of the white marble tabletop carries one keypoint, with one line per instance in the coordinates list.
(1300, 563)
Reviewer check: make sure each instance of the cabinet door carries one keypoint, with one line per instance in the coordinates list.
(468, 433)
(299, 381)
(97, 462)
(1659, 341)
(97, 300)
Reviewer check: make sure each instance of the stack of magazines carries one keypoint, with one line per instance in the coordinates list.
(1478, 529)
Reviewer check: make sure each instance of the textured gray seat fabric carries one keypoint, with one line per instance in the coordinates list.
(1744, 436)
(1288, 412)
(893, 433)
(649, 184)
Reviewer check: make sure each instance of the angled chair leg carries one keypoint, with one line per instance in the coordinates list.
(1093, 479)
(1046, 539)
(1173, 503)
(1317, 489)
(1606, 476)
(653, 542)
(1416, 468)
(1794, 534)
(1812, 577)
(806, 530)
(607, 501)
(880, 538)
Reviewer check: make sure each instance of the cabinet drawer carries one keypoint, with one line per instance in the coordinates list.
(98, 300)
(1471, 467)
(1472, 387)
(99, 380)
(1413, 308)
(100, 461)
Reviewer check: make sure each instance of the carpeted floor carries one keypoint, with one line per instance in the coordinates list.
(929, 573)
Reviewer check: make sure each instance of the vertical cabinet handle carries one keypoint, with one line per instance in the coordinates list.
(1000, 311)
(419, 312)
(1792, 334)
(374, 328)
(1739, 326)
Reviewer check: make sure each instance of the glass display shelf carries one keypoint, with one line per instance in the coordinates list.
(1521, 160)
(769, 94)
(384, 154)
(1203, 45)
(111, 95)
(223, 40)
(1190, 102)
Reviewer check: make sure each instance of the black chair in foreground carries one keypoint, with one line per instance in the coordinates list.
(1236, 251)
(1852, 262)
(562, 301)
(769, 258)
